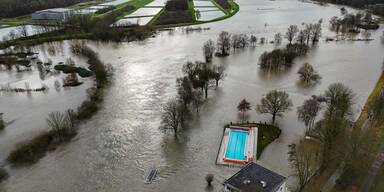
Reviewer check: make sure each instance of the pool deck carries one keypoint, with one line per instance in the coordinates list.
(251, 146)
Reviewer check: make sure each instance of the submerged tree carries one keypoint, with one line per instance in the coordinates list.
(275, 103)
(278, 38)
(197, 99)
(208, 49)
(291, 33)
(308, 74)
(243, 107)
(224, 44)
(171, 116)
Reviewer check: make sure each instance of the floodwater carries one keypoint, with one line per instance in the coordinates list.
(113, 151)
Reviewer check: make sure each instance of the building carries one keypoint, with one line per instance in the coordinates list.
(255, 178)
(58, 14)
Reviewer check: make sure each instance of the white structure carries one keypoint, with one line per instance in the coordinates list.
(58, 14)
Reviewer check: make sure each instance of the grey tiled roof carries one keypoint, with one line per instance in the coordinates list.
(249, 179)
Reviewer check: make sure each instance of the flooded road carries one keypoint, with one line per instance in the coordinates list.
(115, 148)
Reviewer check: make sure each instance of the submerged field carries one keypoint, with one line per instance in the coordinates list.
(114, 149)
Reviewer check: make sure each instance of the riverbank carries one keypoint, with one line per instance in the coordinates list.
(363, 123)
(63, 126)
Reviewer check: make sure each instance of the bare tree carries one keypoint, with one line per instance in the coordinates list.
(308, 32)
(316, 32)
(171, 116)
(22, 30)
(218, 74)
(184, 90)
(208, 49)
(291, 33)
(243, 107)
(275, 103)
(253, 40)
(308, 111)
(278, 38)
(304, 161)
(197, 100)
(302, 37)
(224, 43)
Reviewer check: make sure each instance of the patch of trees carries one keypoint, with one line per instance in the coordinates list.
(350, 23)
(192, 90)
(281, 58)
(372, 4)
(14, 8)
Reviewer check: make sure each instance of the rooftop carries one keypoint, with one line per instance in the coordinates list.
(54, 10)
(254, 177)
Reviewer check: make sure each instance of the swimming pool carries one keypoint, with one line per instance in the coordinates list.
(236, 145)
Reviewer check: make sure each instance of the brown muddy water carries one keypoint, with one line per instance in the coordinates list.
(113, 150)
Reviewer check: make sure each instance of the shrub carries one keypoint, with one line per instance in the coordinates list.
(87, 109)
(70, 69)
(3, 174)
(209, 178)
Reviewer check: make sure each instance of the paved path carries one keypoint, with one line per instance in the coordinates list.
(373, 171)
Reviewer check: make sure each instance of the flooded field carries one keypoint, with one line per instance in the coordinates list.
(113, 151)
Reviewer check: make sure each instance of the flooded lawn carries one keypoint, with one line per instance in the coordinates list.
(207, 14)
(113, 150)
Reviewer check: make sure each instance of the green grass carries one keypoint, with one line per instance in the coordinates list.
(191, 8)
(367, 107)
(12, 22)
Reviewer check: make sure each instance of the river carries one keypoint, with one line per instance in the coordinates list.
(113, 150)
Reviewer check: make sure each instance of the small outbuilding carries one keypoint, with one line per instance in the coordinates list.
(57, 14)
(255, 178)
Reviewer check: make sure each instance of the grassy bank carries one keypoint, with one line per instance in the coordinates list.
(228, 13)
(368, 104)
(63, 127)
(266, 134)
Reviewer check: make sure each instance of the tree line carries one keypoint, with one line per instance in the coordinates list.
(15, 8)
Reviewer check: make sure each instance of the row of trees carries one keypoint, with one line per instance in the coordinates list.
(330, 133)
(226, 41)
(349, 22)
(311, 32)
(192, 90)
(274, 103)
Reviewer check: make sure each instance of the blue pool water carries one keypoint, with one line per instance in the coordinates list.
(236, 145)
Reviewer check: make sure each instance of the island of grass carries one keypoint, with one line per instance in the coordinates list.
(266, 134)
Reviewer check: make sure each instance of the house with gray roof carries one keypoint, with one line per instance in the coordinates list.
(255, 178)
